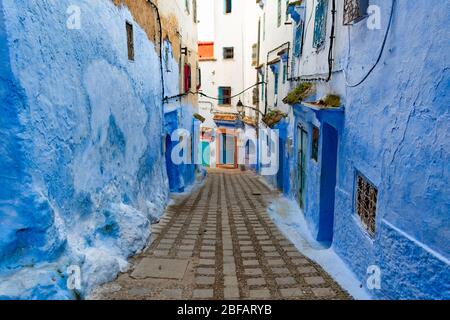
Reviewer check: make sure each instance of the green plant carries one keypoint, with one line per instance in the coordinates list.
(273, 117)
(299, 93)
(331, 100)
(296, 3)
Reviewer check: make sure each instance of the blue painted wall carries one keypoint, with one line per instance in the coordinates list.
(82, 172)
(395, 132)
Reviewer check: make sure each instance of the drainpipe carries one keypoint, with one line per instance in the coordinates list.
(332, 37)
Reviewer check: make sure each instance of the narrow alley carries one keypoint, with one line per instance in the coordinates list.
(219, 243)
(284, 150)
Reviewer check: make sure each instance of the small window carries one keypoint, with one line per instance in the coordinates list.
(255, 55)
(263, 85)
(187, 78)
(354, 10)
(130, 41)
(284, 72)
(366, 203)
(275, 88)
(225, 95)
(194, 10)
(287, 10)
(199, 78)
(279, 14)
(315, 144)
(167, 55)
(228, 5)
(228, 53)
(255, 96)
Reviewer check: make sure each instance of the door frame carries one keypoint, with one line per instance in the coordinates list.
(302, 134)
(228, 132)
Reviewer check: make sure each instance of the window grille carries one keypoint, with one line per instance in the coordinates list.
(228, 53)
(366, 203)
(255, 55)
(320, 24)
(354, 10)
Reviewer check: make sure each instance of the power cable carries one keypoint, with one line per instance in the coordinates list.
(158, 17)
(381, 51)
(210, 97)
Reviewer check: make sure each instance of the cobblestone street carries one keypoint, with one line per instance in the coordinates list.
(219, 243)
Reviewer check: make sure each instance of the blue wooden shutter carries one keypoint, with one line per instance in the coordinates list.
(220, 96)
(320, 23)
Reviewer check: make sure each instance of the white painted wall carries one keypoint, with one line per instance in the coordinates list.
(273, 36)
(239, 30)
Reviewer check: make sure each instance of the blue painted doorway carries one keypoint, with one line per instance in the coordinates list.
(327, 183)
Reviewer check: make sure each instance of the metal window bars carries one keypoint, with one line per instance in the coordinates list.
(354, 10)
(366, 203)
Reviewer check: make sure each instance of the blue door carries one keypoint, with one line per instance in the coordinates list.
(172, 169)
(302, 143)
(280, 173)
(327, 183)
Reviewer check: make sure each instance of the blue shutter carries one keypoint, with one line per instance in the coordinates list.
(320, 23)
(298, 41)
(220, 96)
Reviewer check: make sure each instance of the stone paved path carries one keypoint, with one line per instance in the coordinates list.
(219, 243)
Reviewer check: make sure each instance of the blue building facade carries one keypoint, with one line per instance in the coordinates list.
(371, 175)
(82, 140)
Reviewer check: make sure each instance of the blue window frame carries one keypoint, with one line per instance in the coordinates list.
(276, 83)
(298, 40)
(263, 86)
(224, 95)
(279, 14)
(320, 24)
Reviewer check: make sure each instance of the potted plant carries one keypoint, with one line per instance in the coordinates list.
(299, 93)
(273, 117)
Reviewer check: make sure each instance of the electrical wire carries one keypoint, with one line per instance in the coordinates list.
(211, 97)
(380, 54)
(330, 52)
(158, 17)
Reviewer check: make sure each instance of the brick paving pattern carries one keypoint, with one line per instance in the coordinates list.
(230, 249)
